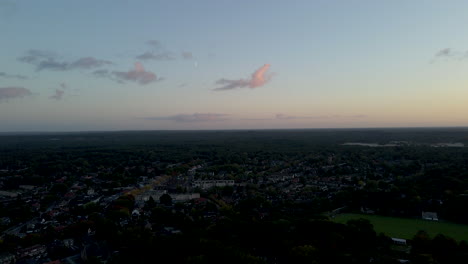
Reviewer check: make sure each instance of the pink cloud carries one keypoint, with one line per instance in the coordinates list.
(259, 78)
(139, 75)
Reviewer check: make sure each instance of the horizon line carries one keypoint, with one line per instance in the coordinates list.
(239, 129)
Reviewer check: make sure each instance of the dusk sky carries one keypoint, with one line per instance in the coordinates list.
(244, 64)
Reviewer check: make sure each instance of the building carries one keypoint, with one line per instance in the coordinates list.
(7, 258)
(399, 241)
(213, 183)
(430, 216)
(32, 252)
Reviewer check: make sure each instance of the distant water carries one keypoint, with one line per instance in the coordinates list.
(369, 144)
(437, 145)
(453, 145)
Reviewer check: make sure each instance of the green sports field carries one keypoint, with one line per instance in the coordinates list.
(407, 228)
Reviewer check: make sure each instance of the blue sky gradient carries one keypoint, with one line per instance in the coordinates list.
(121, 65)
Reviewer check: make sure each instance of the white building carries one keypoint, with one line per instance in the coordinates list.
(213, 183)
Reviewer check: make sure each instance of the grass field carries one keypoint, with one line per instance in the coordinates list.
(407, 228)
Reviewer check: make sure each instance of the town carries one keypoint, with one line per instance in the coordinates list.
(62, 202)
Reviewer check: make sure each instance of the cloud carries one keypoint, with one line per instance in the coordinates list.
(187, 55)
(89, 63)
(101, 73)
(13, 92)
(149, 55)
(13, 76)
(154, 43)
(43, 60)
(288, 117)
(357, 116)
(58, 94)
(258, 78)
(196, 117)
(283, 116)
(28, 59)
(449, 54)
(157, 52)
(46, 60)
(33, 56)
(291, 117)
(231, 84)
(139, 75)
(51, 64)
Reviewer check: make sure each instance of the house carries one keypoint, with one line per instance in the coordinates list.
(183, 197)
(69, 243)
(5, 221)
(213, 183)
(136, 213)
(31, 252)
(97, 250)
(430, 216)
(7, 258)
(399, 241)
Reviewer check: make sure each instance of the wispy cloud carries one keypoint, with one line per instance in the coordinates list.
(449, 54)
(317, 117)
(139, 75)
(196, 117)
(259, 78)
(43, 60)
(443, 53)
(157, 52)
(12, 92)
(289, 117)
(46, 60)
(149, 55)
(13, 76)
(53, 65)
(187, 55)
(35, 56)
(154, 43)
(57, 95)
(89, 63)
(101, 73)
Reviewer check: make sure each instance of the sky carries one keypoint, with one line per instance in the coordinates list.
(224, 64)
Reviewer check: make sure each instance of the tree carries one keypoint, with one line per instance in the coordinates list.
(305, 254)
(421, 243)
(166, 199)
(150, 204)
